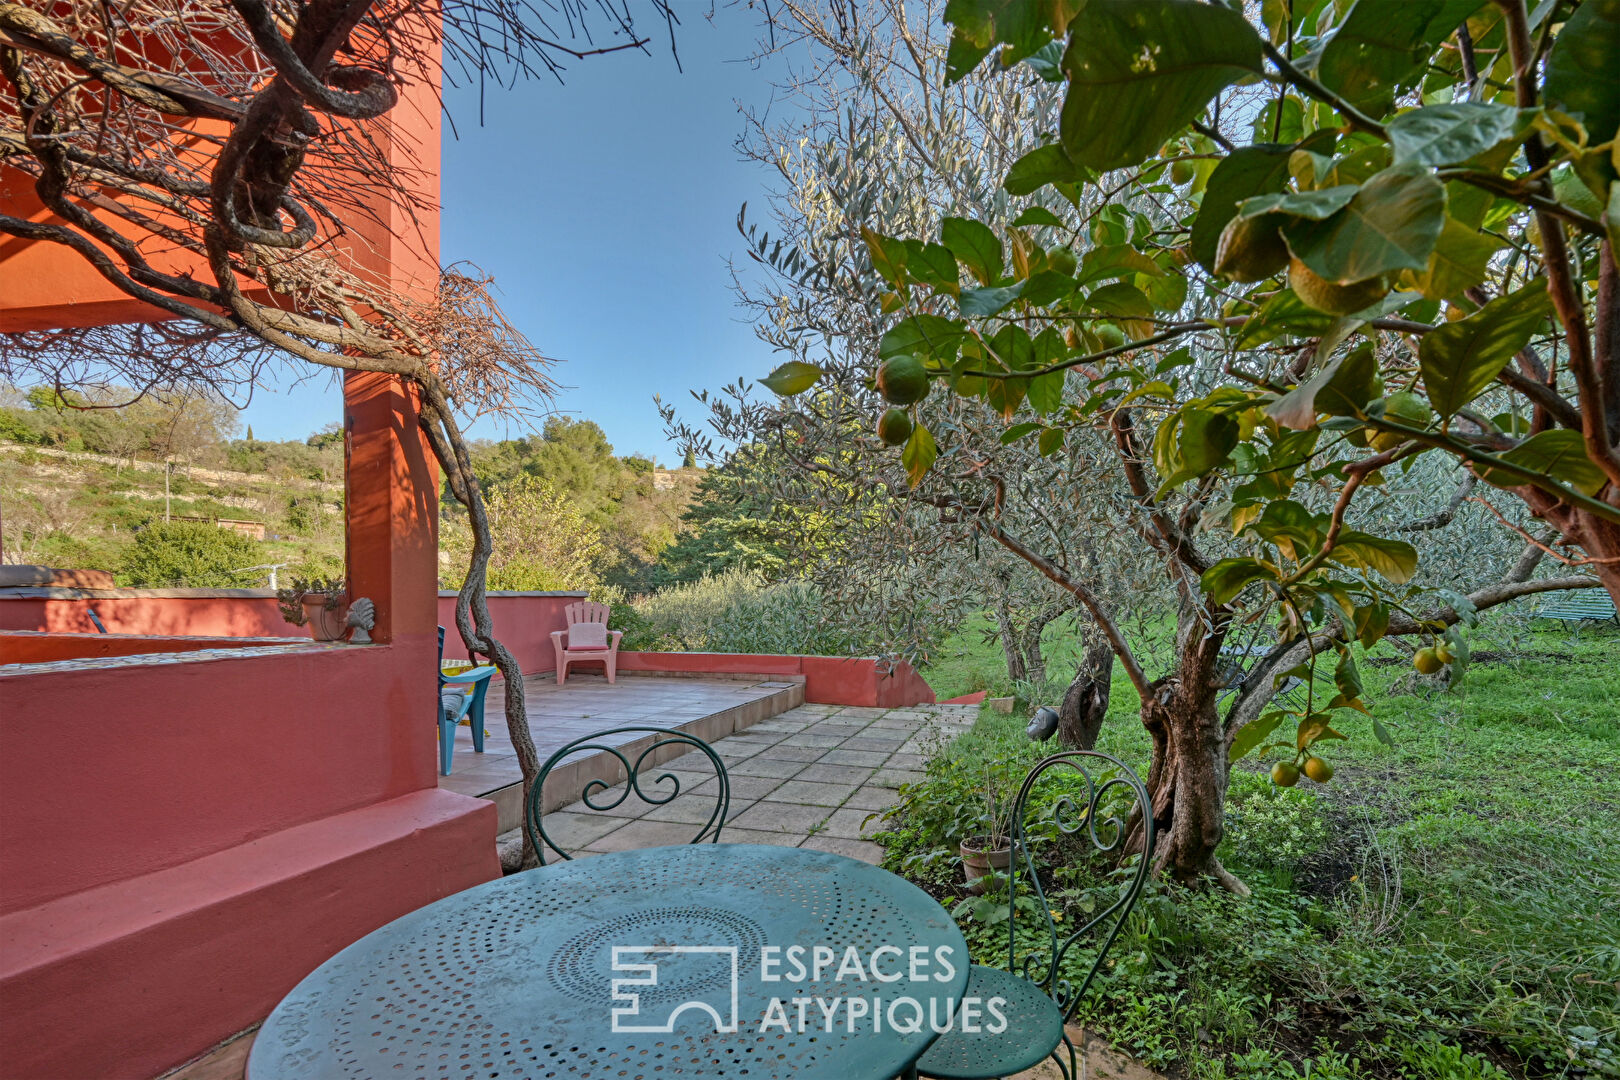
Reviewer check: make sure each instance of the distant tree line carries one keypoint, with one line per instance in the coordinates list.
(185, 429)
(574, 513)
(159, 530)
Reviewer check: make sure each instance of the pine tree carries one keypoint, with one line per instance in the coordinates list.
(690, 461)
(250, 433)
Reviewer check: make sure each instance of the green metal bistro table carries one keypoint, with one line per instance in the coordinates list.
(709, 960)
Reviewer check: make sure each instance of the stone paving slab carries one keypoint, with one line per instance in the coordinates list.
(812, 777)
(588, 704)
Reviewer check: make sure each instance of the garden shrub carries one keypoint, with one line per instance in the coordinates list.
(189, 554)
(737, 612)
(1436, 922)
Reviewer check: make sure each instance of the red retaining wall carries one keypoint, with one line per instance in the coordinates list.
(523, 621)
(169, 612)
(828, 680)
(130, 979)
(184, 837)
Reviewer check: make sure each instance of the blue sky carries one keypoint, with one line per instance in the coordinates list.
(605, 207)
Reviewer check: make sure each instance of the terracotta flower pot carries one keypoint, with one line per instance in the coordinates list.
(325, 624)
(981, 855)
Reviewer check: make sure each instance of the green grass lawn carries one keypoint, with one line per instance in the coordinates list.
(1448, 907)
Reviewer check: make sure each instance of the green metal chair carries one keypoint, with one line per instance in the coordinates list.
(637, 758)
(1040, 997)
(460, 696)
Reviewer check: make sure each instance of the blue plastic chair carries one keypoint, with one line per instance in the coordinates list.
(460, 696)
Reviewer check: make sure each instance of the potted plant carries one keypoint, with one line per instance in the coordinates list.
(320, 603)
(988, 851)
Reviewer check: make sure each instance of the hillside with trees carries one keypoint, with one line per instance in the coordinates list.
(138, 489)
(94, 480)
(566, 492)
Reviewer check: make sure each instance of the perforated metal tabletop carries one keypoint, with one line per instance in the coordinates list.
(518, 977)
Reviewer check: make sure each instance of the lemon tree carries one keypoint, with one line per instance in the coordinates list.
(1278, 265)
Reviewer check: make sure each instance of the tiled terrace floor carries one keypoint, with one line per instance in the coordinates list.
(585, 705)
(807, 778)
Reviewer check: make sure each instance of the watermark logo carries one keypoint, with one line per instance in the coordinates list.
(865, 992)
(628, 1017)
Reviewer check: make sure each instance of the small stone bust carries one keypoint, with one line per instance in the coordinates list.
(362, 617)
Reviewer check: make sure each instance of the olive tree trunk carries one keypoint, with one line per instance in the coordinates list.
(1009, 639)
(1085, 703)
(1186, 782)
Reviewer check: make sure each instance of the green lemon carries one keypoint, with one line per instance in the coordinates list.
(1250, 249)
(1062, 260)
(1181, 171)
(1111, 336)
(1285, 774)
(894, 426)
(1403, 408)
(902, 380)
(1427, 661)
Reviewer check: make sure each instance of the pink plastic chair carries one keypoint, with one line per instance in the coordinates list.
(587, 638)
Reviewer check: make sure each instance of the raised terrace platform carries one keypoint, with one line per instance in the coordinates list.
(710, 707)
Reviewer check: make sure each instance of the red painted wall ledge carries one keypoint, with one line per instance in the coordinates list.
(39, 647)
(231, 613)
(828, 680)
(173, 620)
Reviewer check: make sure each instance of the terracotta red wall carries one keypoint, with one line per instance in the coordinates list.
(523, 621)
(27, 647)
(184, 837)
(126, 981)
(137, 767)
(189, 612)
(828, 680)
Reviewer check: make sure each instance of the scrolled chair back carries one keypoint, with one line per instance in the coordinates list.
(1101, 810)
(638, 759)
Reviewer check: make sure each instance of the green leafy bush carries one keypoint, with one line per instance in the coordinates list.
(188, 554)
(934, 814)
(541, 540)
(736, 612)
(1440, 915)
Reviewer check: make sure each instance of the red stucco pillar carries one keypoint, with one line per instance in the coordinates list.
(391, 495)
